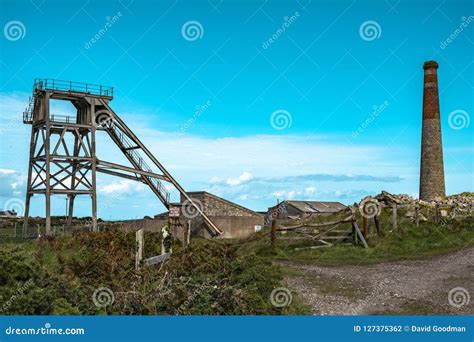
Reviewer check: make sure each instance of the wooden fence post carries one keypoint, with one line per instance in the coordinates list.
(417, 215)
(354, 234)
(187, 234)
(394, 216)
(359, 235)
(273, 234)
(377, 224)
(141, 241)
(166, 240)
(365, 226)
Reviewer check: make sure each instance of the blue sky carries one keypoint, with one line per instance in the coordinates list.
(352, 98)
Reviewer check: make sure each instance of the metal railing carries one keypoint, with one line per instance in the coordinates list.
(69, 86)
(62, 118)
(28, 113)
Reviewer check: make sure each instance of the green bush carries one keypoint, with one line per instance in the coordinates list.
(60, 276)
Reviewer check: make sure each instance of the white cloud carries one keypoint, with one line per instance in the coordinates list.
(124, 186)
(244, 177)
(11, 182)
(243, 197)
(279, 194)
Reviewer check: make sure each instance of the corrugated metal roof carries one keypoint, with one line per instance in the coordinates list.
(312, 207)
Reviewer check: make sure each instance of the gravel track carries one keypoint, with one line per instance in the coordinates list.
(402, 287)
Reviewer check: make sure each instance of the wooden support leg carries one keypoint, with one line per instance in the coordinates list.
(26, 214)
(73, 180)
(70, 211)
(48, 183)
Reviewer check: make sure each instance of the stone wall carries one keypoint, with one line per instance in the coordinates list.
(149, 225)
(234, 220)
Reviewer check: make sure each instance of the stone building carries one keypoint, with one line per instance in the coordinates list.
(233, 219)
(8, 214)
(291, 210)
(431, 167)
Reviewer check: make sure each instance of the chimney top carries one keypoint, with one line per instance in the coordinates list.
(430, 65)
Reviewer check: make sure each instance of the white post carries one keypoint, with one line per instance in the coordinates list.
(165, 236)
(394, 216)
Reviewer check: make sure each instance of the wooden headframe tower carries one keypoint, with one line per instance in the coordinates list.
(63, 156)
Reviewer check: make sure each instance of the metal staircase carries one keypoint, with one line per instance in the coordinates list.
(134, 150)
(130, 151)
(28, 113)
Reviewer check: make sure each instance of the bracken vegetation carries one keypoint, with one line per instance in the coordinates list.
(60, 275)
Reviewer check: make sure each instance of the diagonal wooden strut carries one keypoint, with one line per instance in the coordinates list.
(130, 169)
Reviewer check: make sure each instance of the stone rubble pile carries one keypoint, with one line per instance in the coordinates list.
(388, 199)
(461, 201)
(448, 206)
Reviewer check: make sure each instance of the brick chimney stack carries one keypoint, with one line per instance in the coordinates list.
(432, 169)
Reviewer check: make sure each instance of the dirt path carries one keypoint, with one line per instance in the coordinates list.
(403, 287)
